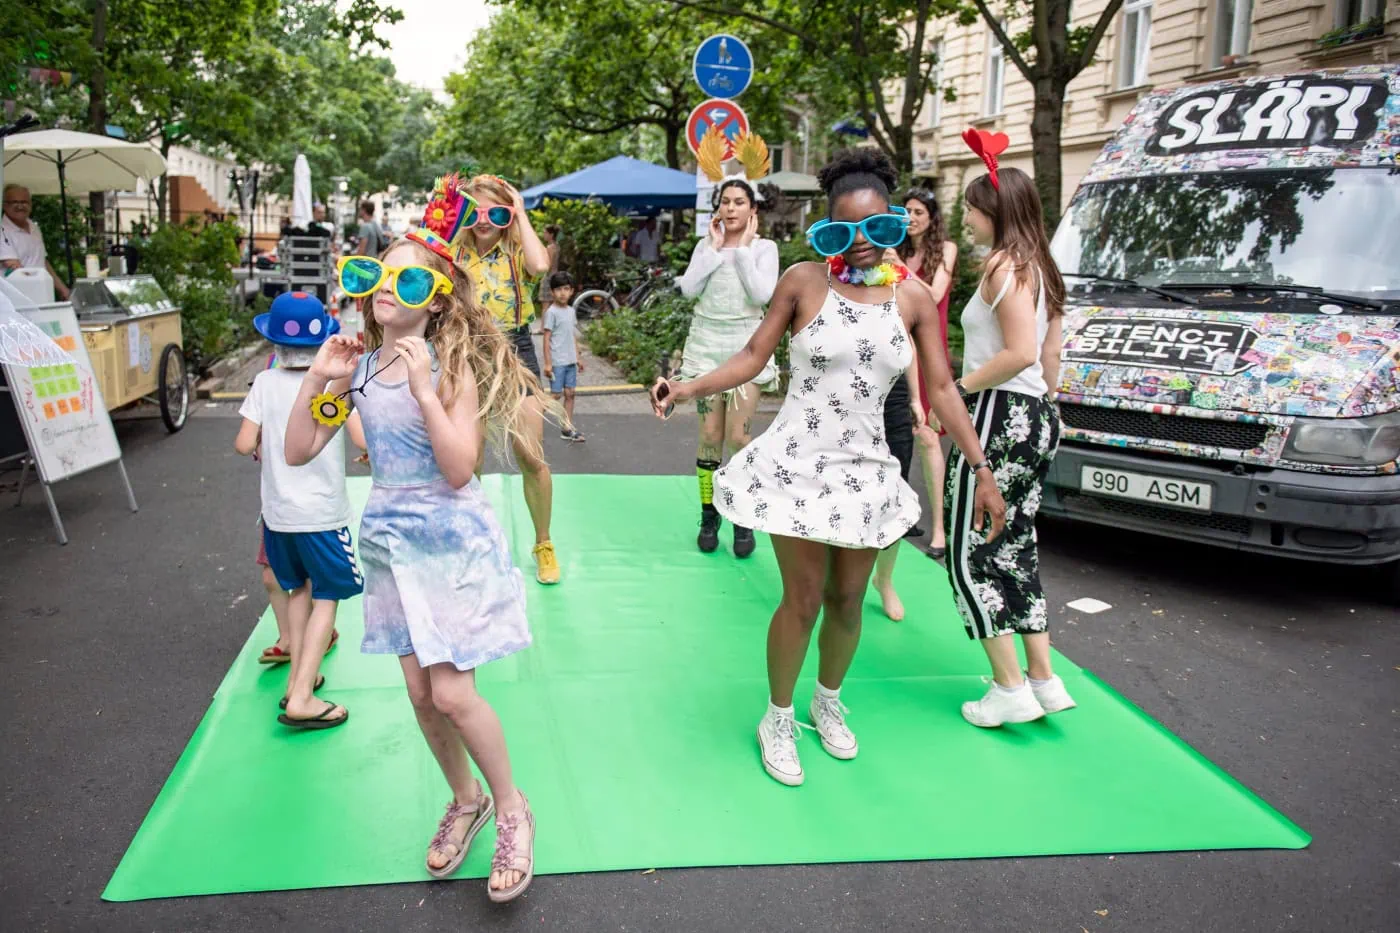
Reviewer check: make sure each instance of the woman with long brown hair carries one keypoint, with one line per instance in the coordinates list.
(1011, 330)
(929, 256)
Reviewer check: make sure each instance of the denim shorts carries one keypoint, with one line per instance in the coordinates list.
(565, 377)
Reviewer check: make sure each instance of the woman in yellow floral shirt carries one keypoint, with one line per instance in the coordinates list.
(505, 257)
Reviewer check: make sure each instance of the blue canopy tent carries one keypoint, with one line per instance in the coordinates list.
(622, 182)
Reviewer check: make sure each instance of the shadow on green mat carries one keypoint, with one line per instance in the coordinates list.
(631, 725)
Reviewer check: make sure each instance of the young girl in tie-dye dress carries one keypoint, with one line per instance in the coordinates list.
(441, 591)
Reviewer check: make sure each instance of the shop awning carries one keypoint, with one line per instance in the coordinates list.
(621, 182)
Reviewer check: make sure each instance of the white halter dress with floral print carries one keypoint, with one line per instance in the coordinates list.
(823, 471)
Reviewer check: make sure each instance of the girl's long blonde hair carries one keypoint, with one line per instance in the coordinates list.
(489, 186)
(465, 337)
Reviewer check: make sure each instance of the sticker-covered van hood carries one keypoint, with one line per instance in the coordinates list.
(1315, 365)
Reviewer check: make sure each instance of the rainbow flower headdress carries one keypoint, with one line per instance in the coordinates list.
(749, 148)
(444, 216)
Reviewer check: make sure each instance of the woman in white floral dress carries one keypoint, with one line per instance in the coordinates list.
(1011, 361)
(821, 481)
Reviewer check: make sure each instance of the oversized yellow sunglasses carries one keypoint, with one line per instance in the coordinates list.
(414, 286)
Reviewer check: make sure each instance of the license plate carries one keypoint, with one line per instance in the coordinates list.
(1159, 490)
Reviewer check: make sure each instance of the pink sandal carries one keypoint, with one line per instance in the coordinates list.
(507, 859)
(481, 811)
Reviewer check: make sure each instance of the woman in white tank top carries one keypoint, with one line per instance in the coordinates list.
(1011, 363)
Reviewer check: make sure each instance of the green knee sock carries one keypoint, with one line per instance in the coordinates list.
(705, 470)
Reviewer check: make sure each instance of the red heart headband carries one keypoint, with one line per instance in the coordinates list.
(987, 146)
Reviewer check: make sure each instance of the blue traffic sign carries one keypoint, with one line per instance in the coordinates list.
(723, 66)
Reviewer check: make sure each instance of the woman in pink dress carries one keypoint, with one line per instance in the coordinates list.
(931, 256)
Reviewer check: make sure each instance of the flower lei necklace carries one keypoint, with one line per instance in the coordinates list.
(887, 273)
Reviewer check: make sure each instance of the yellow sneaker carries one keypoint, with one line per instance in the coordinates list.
(546, 564)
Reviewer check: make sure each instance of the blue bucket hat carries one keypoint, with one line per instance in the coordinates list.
(296, 319)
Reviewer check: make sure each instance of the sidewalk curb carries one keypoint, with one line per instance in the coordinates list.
(220, 372)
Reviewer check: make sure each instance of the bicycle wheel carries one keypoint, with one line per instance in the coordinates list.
(594, 303)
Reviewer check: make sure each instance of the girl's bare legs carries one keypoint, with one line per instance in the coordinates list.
(1001, 652)
(884, 582)
(934, 465)
(803, 565)
(455, 697)
(847, 576)
(538, 481)
(443, 741)
(278, 598)
(711, 445)
(1038, 655)
(308, 648)
(738, 426)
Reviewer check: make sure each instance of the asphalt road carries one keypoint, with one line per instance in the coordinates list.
(1286, 675)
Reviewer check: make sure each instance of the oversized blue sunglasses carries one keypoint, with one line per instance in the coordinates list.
(833, 237)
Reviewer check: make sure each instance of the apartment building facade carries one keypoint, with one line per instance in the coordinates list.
(1150, 44)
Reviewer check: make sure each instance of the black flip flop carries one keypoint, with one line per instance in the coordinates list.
(937, 553)
(320, 682)
(318, 722)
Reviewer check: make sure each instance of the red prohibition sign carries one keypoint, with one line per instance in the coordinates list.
(724, 114)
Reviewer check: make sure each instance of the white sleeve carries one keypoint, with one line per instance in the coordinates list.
(252, 405)
(8, 250)
(703, 263)
(757, 266)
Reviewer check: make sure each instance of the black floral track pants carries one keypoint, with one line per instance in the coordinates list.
(997, 584)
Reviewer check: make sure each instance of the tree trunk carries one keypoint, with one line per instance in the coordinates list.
(163, 186)
(903, 141)
(674, 132)
(97, 109)
(1046, 123)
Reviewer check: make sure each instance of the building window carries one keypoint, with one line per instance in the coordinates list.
(1232, 31)
(933, 107)
(995, 88)
(1135, 42)
(779, 156)
(1357, 12)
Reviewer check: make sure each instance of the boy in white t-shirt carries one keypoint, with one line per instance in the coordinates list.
(305, 509)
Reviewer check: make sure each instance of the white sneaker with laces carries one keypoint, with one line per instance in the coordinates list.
(1052, 695)
(829, 718)
(777, 740)
(999, 707)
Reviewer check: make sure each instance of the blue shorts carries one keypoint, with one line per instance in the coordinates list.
(565, 377)
(326, 558)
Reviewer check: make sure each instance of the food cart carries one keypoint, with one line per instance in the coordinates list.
(132, 333)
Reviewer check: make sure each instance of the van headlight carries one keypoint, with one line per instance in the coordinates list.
(1345, 441)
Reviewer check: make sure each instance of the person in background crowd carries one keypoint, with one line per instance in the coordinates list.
(503, 256)
(646, 243)
(21, 243)
(371, 241)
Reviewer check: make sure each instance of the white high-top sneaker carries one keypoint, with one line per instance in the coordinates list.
(1000, 706)
(829, 717)
(1052, 695)
(777, 740)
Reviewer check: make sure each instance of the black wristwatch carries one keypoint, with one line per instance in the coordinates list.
(962, 389)
(984, 465)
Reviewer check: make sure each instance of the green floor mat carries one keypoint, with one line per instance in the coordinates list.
(631, 726)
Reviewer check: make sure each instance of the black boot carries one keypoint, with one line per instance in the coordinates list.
(743, 541)
(708, 539)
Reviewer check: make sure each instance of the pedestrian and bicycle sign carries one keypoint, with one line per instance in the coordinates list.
(724, 115)
(723, 66)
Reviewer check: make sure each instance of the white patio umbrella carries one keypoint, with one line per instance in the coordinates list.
(59, 161)
(301, 194)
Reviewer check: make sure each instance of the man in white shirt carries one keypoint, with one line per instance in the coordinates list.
(21, 243)
(647, 243)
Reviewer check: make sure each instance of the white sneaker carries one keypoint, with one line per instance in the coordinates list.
(1052, 696)
(777, 740)
(829, 717)
(999, 707)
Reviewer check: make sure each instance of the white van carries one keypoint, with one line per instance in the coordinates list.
(1231, 364)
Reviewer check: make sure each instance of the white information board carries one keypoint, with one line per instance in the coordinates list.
(60, 407)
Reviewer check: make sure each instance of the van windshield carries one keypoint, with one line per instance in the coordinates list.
(1323, 228)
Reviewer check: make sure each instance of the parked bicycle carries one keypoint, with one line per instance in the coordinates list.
(639, 293)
